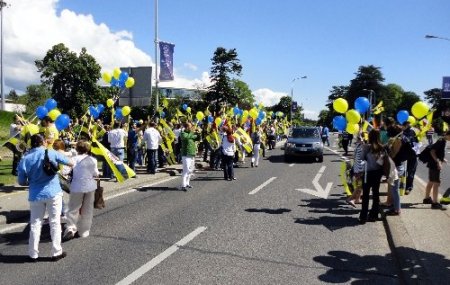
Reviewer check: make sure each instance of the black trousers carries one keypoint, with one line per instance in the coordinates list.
(373, 182)
(411, 166)
(228, 171)
(151, 161)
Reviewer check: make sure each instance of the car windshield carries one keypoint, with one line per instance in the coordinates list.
(305, 133)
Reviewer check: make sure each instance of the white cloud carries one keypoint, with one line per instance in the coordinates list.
(190, 66)
(310, 114)
(32, 27)
(267, 96)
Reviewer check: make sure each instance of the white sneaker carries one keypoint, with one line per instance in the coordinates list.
(85, 234)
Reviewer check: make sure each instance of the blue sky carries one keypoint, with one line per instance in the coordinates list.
(276, 41)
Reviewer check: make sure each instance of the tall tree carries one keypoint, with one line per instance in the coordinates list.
(71, 78)
(13, 96)
(225, 65)
(35, 96)
(244, 96)
(367, 78)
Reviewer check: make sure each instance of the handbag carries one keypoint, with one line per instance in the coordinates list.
(49, 168)
(99, 202)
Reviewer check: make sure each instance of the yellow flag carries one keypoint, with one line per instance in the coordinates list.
(445, 127)
(378, 108)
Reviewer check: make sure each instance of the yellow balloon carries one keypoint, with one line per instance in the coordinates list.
(244, 116)
(110, 103)
(107, 77)
(165, 103)
(116, 73)
(352, 128)
(411, 120)
(126, 110)
(200, 115)
(420, 109)
(188, 109)
(218, 120)
(130, 82)
(53, 114)
(253, 113)
(352, 116)
(340, 105)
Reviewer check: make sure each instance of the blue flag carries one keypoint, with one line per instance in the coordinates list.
(166, 61)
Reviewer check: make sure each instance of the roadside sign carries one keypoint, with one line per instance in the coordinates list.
(446, 87)
(294, 106)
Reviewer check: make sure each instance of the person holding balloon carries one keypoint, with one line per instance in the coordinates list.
(256, 140)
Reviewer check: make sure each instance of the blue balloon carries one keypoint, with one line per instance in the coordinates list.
(184, 107)
(362, 105)
(262, 115)
(114, 82)
(258, 121)
(94, 112)
(339, 123)
(41, 112)
(100, 108)
(236, 111)
(62, 122)
(210, 119)
(118, 114)
(163, 114)
(123, 77)
(402, 116)
(50, 104)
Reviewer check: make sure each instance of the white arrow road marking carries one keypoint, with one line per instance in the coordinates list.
(319, 192)
(158, 259)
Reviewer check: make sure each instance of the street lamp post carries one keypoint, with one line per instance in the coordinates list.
(292, 91)
(2, 5)
(371, 101)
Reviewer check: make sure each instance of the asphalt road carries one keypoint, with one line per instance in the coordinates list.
(218, 233)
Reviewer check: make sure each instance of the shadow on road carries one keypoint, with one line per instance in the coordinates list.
(269, 211)
(349, 267)
(330, 222)
(157, 188)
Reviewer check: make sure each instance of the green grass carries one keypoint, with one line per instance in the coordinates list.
(6, 118)
(6, 178)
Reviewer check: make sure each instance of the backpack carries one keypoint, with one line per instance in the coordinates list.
(49, 168)
(425, 155)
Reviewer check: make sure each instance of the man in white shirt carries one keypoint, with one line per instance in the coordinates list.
(152, 138)
(116, 138)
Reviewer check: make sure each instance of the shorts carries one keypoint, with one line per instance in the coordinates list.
(358, 181)
(434, 175)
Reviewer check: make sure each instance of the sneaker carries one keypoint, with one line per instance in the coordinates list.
(251, 164)
(58, 257)
(437, 206)
(189, 186)
(68, 235)
(392, 212)
(84, 235)
(183, 189)
(427, 201)
(407, 191)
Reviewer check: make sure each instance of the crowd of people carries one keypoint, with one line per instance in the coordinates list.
(148, 144)
(392, 152)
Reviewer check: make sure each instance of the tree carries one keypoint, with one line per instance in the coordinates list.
(35, 96)
(225, 64)
(13, 96)
(367, 78)
(244, 96)
(71, 78)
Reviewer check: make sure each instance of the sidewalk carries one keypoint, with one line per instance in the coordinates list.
(420, 239)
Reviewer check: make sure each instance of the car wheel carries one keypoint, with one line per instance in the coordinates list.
(320, 158)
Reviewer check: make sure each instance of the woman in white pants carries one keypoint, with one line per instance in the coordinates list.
(82, 193)
(256, 140)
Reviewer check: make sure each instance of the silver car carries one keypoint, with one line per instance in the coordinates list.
(304, 142)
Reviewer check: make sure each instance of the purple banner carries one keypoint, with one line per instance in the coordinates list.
(166, 61)
(446, 87)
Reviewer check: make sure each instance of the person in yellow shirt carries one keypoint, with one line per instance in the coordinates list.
(49, 130)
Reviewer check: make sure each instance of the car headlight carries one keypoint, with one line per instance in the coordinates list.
(290, 144)
(317, 145)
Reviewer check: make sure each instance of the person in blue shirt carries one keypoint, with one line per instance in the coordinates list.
(45, 193)
(325, 135)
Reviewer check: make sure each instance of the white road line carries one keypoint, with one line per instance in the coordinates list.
(134, 190)
(19, 225)
(292, 164)
(158, 259)
(254, 191)
(13, 227)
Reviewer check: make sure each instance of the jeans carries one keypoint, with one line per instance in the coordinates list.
(411, 166)
(188, 169)
(373, 182)
(106, 170)
(131, 157)
(228, 171)
(151, 161)
(37, 212)
(119, 152)
(395, 188)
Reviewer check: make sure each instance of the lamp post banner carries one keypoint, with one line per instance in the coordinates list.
(294, 106)
(166, 61)
(446, 87)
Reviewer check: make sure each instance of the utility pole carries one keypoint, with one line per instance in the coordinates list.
(2, 5)
(156, 56)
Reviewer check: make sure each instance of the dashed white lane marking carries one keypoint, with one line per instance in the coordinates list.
(254, 191)
(22, 225)
(158, 259)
